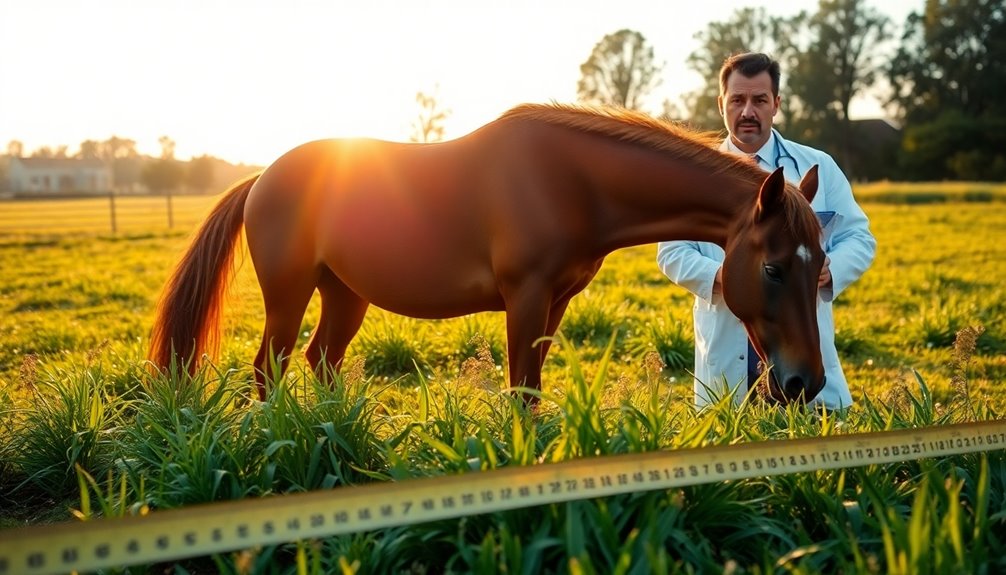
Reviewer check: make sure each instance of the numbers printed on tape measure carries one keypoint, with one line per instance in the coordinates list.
(246, 523)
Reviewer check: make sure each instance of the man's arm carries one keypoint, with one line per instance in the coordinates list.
(684, 265)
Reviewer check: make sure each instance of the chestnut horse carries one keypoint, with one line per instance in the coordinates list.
(517, 216)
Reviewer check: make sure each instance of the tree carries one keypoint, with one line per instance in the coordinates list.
(952, 56)
(955, 145)
(163, 174)
(200, 173)
(119, 153)
(838, 64)
(118, 148)
(949, 88)
(90, 150)
(15, 149)
(126, 161)
(429, 125)
(747, 30)
(620, 71)
(48, 152)
(167, 148)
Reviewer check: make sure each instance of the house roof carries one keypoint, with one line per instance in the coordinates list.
(877, 128)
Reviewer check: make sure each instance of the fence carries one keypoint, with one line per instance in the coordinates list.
(102, 214)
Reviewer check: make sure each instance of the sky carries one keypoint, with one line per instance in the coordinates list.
(247, 80)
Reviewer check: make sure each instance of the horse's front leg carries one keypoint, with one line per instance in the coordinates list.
(554, 319)
(527, 311)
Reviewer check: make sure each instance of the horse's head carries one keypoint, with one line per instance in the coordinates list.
(770, 275)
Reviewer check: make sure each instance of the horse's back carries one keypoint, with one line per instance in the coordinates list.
(400, 224)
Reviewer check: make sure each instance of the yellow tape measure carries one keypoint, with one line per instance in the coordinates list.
(214, 528)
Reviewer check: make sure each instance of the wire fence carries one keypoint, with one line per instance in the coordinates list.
(109, 214)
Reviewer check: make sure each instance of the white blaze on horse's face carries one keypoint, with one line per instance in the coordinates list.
(804, 254)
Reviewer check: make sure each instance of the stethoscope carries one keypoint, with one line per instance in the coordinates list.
(782, 153)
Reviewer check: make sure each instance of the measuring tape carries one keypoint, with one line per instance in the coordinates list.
(201, 530)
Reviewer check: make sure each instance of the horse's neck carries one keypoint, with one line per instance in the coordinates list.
(680, 203)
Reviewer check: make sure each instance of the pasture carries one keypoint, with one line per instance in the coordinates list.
(423, 398)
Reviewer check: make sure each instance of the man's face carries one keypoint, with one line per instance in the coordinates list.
(747, 108)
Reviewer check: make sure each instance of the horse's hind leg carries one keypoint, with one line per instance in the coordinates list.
(286, 296)
(342, 314)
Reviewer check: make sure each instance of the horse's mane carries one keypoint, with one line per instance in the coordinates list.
(699, 147)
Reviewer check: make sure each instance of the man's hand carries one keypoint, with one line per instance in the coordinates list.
(822, 281)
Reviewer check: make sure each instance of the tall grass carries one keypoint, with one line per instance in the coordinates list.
(73, 421)
(187, 440)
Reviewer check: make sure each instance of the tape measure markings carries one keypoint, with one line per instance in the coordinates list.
(205, 529)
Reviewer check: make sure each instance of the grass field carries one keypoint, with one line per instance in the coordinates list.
(76, 310)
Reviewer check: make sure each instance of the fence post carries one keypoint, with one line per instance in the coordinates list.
(111, 210)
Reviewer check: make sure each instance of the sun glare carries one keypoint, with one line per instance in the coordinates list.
(247, 81)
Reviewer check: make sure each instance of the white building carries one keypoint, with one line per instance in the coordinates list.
(58, 175)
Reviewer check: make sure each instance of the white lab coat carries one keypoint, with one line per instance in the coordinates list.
(720, 338)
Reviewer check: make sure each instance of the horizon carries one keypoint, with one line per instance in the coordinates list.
(245, 85)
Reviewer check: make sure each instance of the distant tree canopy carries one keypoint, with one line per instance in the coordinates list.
(947, 83)
(60, 151)
(200, 173)
(162, 175)
(118, 152)
(620, 71)
(837, 65)
(747, 30)
(15, 149)
(949, 88)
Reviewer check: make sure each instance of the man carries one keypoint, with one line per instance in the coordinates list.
(748, 101)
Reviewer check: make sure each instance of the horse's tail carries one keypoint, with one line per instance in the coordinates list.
(188, 313)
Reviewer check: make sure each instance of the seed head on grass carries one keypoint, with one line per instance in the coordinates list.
(28, 375)
(479, 371)
(354, 370)
(761, 388)
(93, 354)
(621, 392)
(653, 366)
(897, 396)
(964, 347)
(965, 343)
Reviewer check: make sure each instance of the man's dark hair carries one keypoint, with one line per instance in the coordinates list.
(750, 64)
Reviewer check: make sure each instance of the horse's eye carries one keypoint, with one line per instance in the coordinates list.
(773, 273)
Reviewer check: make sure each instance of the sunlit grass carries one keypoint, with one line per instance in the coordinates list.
(914, 193)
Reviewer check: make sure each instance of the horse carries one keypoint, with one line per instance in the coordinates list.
(516, 216)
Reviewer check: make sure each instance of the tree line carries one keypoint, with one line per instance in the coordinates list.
(201, 174)
(944, 84)
(132, 171)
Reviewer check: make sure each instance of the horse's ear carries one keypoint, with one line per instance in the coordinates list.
(808, 185)
(771, 193)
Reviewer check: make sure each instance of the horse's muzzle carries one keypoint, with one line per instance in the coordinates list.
(795, 388)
